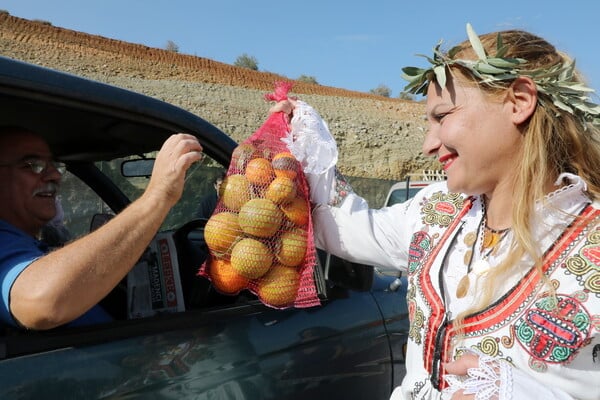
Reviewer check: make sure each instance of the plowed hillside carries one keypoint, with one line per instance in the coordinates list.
(378, 137)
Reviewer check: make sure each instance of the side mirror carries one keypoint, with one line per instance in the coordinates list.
(137, 168)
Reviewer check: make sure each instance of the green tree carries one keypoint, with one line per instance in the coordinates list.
(172, 46)
(382, 90)
(307, 79)
(246, 61)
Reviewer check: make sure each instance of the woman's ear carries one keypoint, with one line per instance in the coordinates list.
(523, 95)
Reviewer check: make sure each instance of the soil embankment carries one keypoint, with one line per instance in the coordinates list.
(378, 138)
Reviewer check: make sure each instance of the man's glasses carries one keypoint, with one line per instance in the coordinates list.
(38, 166)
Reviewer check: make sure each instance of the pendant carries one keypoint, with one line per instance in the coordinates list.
(463, 286)
(490, 239)
(480, 267)
(470, 238)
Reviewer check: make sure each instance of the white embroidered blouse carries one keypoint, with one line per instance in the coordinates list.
(526, 351)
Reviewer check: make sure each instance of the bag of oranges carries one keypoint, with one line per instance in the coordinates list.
(260, 235)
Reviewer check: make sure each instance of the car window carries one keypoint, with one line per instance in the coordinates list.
(199, 183)
(79, 203)
(400, 195)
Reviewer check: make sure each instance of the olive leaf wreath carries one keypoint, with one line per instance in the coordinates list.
(557, 82)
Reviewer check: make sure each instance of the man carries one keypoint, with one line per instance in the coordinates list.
(44, 290)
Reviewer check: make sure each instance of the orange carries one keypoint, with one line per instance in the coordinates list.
(221, 231)
(259, 171)
(234, 191)
(279, 286)
(224, 278)
(296, 211)
(285, 165)
(251, 258)
(242, 154)
(292, 247)
(260, 217)
(281, 190)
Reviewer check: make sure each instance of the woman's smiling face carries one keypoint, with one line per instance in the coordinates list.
(472, 135)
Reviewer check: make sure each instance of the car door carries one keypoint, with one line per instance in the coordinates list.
(233, 348)
(238, 351)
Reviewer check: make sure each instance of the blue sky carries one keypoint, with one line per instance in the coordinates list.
(350, 44)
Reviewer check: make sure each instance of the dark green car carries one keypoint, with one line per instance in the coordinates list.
(206, 345)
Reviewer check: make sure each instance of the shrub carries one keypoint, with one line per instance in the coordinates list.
(246, 61)
(172, 46)
(406, 96)
(43, 22)
(382, 90)
(307, 79)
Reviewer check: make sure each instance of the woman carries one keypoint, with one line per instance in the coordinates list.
(503, 258)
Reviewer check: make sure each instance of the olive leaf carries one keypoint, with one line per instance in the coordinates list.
(558, 82)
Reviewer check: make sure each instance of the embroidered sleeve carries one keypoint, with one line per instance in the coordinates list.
(311, 142)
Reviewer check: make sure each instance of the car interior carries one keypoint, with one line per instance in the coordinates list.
(94, 138)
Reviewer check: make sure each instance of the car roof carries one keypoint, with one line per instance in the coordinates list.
(88, 120)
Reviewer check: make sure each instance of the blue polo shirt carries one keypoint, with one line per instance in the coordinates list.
(17, 251)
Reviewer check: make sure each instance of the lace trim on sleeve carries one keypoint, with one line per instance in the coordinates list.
(491, 380)
(310, 141)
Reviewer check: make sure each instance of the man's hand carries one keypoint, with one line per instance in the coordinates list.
(177, 154)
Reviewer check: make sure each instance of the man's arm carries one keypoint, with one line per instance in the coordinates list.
(61, 286)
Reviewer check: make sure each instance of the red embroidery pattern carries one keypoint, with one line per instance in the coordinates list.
(586, 264)
(421, 244)
(441, 208)
(552, 332)
(426, 287)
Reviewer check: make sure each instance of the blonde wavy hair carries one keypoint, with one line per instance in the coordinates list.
(554, 141)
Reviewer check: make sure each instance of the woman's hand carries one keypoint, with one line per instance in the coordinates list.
(459, 368)
(476, 376)
(285, 106)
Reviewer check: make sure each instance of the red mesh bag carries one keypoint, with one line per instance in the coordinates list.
(260, 235)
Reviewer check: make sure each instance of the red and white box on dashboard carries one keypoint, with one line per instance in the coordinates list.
(154, 284)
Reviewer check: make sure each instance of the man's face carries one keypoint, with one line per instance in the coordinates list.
(27, 199)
